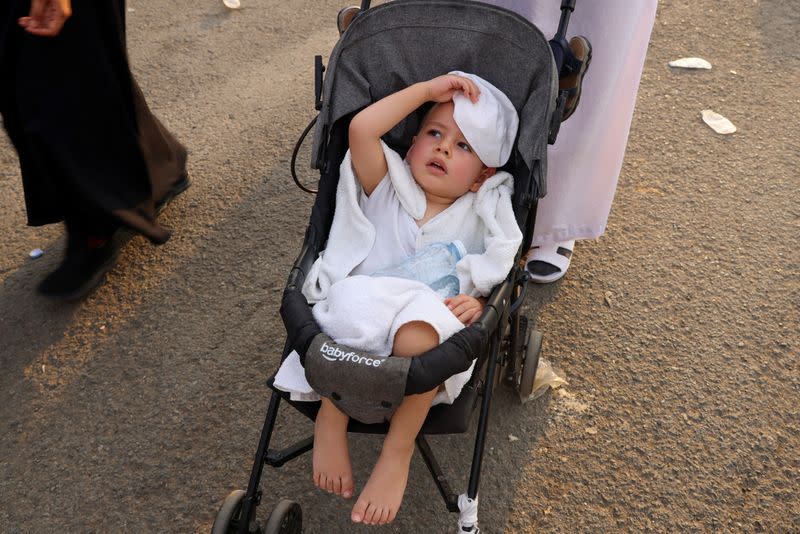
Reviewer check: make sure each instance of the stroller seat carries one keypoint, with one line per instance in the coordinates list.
(442, 418)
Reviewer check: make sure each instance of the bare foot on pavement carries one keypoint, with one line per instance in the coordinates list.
(381, 497)
(331, 457)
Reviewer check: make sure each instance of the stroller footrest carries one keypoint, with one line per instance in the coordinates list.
(280, 457)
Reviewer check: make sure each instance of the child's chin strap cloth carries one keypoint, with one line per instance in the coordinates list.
(364, 386)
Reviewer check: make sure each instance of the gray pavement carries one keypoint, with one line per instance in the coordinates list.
(138, 409)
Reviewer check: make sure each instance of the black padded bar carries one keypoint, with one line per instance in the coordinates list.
(426, 371)
(301, 327)
(431, 369)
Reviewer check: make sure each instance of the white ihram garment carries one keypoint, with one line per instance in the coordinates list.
(584, 164)
(364, 312)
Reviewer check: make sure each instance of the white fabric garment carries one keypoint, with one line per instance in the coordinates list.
(365, 312)
(584, 164)
(384, 210)
(490, 124)
(483, 221)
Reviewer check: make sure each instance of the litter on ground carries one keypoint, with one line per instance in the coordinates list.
(717, 122)
(690, 63)
(546, 377)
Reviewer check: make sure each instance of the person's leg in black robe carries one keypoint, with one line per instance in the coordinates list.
(91, 153)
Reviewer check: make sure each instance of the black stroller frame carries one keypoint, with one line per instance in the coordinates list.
(511, 348)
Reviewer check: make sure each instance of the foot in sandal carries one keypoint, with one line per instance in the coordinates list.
(331, 457)
(380, 500)
(548, 263)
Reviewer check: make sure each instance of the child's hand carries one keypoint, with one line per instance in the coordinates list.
(442, 88)
(467, 309)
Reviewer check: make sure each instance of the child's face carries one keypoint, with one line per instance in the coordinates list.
(442, 162)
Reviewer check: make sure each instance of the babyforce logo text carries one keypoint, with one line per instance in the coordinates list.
(335, 354)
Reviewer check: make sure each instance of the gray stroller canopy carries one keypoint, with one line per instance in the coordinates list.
(394, 45)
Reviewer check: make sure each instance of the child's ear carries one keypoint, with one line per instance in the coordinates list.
(485, 174)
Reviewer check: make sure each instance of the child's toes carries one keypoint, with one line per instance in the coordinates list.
(372, 513)
(347, 487)
(384, 518)
(359, 509)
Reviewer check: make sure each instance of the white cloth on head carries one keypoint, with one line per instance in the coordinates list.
(490, 124)
(584, 164)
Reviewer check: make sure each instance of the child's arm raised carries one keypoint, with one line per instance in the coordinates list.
(372, 122)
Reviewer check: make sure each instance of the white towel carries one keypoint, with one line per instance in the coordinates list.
(366, 312)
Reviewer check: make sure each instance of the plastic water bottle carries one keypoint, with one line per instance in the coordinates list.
(447, 286)
(434, 266)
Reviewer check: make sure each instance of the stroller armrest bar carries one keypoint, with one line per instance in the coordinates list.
(497, 301)
(426, 371)
(301, 327)
(430, 369)
(366, 387)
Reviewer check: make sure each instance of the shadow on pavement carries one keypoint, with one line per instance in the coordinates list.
(29, 323)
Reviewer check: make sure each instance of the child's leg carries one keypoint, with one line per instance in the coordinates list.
(381, 497)
(331, 457)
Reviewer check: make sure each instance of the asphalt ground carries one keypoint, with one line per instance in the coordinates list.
(139, 409)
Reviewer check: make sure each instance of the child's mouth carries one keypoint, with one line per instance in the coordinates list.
(437, 167)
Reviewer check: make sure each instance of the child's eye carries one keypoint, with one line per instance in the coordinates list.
(435, 133)
(464, 146)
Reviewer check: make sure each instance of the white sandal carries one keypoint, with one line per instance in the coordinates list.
(551, 256)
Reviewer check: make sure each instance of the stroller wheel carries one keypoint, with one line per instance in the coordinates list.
(286, 518)
(227, 520)
(533, 346)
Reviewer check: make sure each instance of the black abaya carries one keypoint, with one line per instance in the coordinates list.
(90, 150)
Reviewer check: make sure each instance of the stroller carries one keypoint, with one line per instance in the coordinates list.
(385, 49)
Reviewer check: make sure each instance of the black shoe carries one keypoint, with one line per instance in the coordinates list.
(83, 269)
(180, 186)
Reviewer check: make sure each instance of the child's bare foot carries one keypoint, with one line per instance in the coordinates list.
(381, 497)
(331, 458)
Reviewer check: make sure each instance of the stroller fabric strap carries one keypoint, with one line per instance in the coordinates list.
(366, 387)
